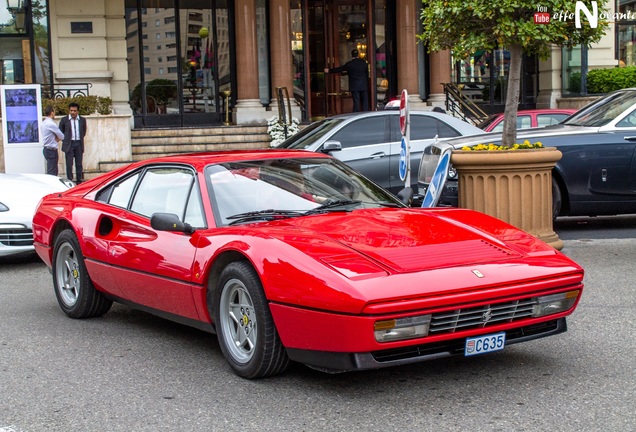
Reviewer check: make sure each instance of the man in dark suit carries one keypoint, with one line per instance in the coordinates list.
(358, 72)
(74, 129)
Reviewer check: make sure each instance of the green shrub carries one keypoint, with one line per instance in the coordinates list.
(607, 80)
(160, 91)
(574, 85)
(88, 105)
(163, 90)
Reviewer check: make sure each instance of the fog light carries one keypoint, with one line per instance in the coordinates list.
(555, 303)
(402, 328)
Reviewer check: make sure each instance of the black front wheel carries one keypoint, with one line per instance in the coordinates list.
(244, 324)
(74, 289)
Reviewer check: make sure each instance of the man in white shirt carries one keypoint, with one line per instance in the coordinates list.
(51, 135)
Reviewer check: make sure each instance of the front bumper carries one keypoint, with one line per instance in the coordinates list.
(15, 239)
(340, 362)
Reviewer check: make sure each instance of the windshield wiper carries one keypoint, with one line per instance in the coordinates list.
(333, 205)
(267, 215)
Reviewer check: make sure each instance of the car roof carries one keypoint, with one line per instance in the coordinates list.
(452, 121)
(200, 160)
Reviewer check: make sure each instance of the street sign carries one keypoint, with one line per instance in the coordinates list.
(434, 190)
(404, 158)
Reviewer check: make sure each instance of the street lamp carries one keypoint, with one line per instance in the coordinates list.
(16, 9)
(14, 6)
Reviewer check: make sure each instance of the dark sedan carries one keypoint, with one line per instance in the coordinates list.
(370, 142)
(597, 173)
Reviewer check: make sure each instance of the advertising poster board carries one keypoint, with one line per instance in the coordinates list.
(21, 121)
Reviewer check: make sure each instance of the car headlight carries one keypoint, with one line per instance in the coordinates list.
(3, 207)
(452, 173)
(555, 303)
(67, 182)
(402, 328)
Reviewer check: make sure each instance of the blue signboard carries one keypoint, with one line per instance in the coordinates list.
(21, 121)
(437, 182)
(403, 159)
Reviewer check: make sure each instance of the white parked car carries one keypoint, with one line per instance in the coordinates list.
(19, 196)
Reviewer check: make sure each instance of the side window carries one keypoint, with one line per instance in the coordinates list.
(163, 189)
(194, 209)
(523, 122)
(499, 127)
(445, 131)
(361, 132)
(423, 127)
(550, 119)
(122, 192)
(629, 121)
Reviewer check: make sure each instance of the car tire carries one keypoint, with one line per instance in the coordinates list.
(557, 199)
(244, 324)
(74, 289)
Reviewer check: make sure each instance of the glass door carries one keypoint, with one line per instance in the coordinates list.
(199, 90)
(335, 28)
(178, 61)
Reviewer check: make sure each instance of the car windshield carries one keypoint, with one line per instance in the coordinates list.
(262, 190)
(311, 134)
(603, 111)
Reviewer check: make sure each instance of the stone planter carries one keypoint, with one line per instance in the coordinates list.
(512, 185)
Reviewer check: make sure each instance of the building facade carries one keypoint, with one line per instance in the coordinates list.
(181, 63)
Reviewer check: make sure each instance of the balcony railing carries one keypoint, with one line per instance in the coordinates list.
(58, 91)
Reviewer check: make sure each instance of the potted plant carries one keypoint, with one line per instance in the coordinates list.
(513, 184)
(279, 132)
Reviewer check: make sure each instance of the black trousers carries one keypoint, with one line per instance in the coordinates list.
(360, 100)
(51, 156)
(75, 153)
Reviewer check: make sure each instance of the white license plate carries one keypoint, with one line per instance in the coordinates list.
(485, 344)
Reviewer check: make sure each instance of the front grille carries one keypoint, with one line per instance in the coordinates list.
(456, 346)
(482, 316)
(16, 237)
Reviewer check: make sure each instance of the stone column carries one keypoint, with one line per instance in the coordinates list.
(281, 57)
(248, 108)
(117, 54)
(440, 73)
(85, 58)
(407, 16)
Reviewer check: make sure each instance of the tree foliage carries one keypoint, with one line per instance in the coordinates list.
(465, 26)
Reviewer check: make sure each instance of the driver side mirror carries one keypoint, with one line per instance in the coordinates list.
(169, 222)
(330, 146)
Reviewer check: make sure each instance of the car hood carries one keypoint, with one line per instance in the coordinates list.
(401, 241)
(378, 256)
(533, 134)
(22, 192)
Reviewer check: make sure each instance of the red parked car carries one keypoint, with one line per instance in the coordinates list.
(292, 256)
(528, 119)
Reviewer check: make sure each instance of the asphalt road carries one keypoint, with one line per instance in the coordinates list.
(600, 227)
(130, 371)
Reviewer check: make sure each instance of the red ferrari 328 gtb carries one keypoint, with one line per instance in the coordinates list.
(292, 256)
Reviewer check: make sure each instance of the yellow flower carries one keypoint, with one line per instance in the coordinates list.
(493, 147)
